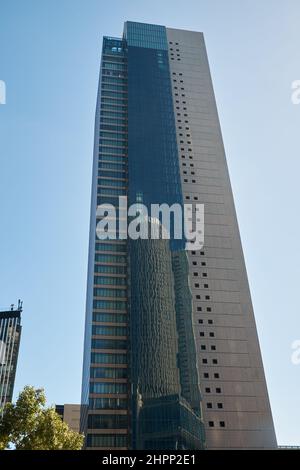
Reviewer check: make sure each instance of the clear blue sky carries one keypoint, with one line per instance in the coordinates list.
(49, 59)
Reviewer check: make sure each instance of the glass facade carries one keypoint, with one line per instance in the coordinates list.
(143, 35)
(105, 383)
(162, 416)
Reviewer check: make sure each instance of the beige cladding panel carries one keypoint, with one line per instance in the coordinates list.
(72, 416)
(236, 406)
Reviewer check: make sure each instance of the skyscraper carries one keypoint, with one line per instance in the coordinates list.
(10, 335)
(171, 353)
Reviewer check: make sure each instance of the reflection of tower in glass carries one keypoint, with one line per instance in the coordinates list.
(189, 378)
(153, 319)
(162, 417)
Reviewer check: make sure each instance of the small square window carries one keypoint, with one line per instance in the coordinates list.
(215, 361)
(222, 424)
(207, 390)
(220, 406)
(209, 405)
(206, 375)
(218, 390)
(216, 375)
(204, 361)
(211, 424)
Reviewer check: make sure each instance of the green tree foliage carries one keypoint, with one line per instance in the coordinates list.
(30, 425)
